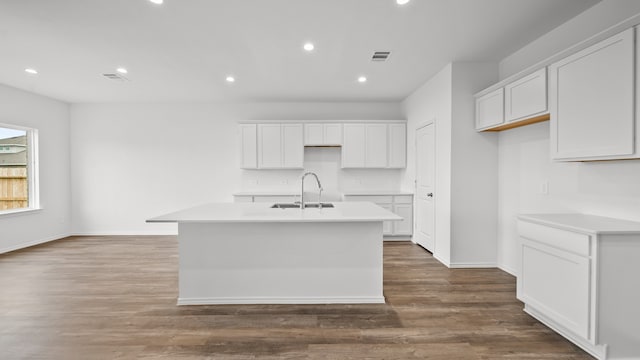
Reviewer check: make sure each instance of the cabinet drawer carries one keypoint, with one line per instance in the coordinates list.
(403, 199)
(561, 239)
(378, 199)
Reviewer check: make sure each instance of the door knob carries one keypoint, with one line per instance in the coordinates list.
(430, 195)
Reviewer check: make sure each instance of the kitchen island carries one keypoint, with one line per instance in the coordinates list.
(250, 253)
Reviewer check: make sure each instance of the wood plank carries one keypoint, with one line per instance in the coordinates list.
(114, 297)
(520, 123)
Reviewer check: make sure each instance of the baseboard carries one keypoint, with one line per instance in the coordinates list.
(445, 263)
(472, 265)
(281, 300)
(508, 270)
(125, 233)
(33, 243)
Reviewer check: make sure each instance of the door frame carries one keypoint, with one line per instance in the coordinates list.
(415, 180)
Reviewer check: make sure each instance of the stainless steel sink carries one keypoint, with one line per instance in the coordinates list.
(297, 206)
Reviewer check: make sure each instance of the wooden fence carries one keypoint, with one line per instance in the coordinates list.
(14, 189)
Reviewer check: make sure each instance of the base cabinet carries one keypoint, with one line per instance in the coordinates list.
(578, 276)
(401, 205)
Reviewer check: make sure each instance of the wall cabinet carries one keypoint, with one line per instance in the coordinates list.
(527, 97)
(280, 146)
(401, 205)
(248, 135)
(374, 145)
(592, 102)
(575, 277)
(490, 109)
(329, 134)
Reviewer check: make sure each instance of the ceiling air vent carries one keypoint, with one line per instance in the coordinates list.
(116, 77)
(380, 55)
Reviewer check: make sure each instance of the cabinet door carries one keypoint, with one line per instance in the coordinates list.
(404, 227)
(332, 134)
(490, 109)
(397, 145)
(248, 146)
(387, 226)
(353, 149)
(376, 146)
(313, 134)
(292, 146)
(526, 97)
(591, 101)
(556, 283)
(269, 146)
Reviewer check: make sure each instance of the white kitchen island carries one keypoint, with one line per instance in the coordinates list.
(249, 253)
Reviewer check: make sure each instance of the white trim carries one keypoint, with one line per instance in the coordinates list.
(281, 300)
(473, 265)
(320, 121)
(17, 212)
(33, 243)
(599, 351)
(508, 270)
(125, 233)
(33, 194)
(445, 263)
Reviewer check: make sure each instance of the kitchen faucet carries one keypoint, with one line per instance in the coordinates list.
(302, 190)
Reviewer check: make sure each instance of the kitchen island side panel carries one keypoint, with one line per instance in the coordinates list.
(280, 263)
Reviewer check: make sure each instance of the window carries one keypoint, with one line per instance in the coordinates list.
(18, 168)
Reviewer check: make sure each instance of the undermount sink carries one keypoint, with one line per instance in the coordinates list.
(297, 206)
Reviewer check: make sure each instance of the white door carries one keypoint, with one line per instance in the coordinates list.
(425, 181)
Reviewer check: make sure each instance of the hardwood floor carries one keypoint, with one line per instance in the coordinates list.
(115, 298)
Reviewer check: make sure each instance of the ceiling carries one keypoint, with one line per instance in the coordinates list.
(183, 50)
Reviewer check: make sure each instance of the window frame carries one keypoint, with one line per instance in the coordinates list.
(33, 164)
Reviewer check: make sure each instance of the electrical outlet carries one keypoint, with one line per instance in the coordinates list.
(544, 187)
(284, 182)
(253, 182)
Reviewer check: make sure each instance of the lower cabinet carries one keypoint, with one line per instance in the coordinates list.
(577, 279)
(401, 205)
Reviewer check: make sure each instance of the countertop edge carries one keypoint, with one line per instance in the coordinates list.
(535, 218)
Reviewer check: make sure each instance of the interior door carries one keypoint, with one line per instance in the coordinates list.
(425, 189)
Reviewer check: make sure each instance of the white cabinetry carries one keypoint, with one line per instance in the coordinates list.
(280, 146)
(329, 134)
(248, 146)
(374, 145)
(592, 102)
(575, 277)
(526, 97)
(268, 198)
(490, 109)
(401, 205)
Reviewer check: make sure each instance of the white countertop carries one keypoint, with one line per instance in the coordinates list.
(376, 192)
(589, 224)
(261, 212)
(268, 193)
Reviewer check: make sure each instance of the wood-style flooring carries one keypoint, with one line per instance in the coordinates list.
(114, 297)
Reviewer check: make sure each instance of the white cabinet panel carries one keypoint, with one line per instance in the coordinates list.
(397, 145)
(490, 109)
(526, 97)
(376, 146)
(592, 101)
(353, 148)
(313, 134)
(248, 146)
(332, 134)
(404, 227)
(269, 146)
(292, 146)
(387, 226)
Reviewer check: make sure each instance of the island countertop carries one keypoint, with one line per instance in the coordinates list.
(262, 212)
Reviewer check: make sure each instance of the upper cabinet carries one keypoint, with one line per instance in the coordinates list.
(374, 145)
(490, 109)
(526, 97)
(329, 134)
(270, 145)
(592, 102)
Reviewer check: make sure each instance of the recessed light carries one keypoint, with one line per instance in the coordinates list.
(122, 70)
(159, 2)
(309, 46)
(402, 2)
(362, 79)
(230, 79)
(31, 71)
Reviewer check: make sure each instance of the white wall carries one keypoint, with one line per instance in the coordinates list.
(600, 188)
(51, 118)
(432, 103)
(133, 162)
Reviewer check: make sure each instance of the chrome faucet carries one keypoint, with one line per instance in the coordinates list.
(302, 190)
